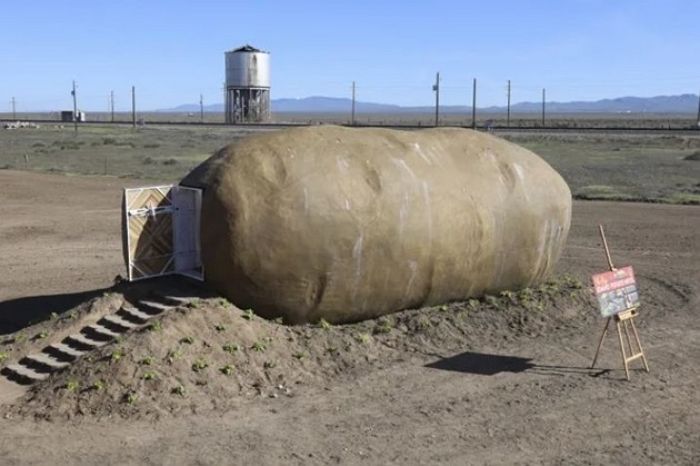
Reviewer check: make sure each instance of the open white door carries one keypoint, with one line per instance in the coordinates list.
(161, 231)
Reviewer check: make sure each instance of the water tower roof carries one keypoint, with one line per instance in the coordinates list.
(247, 48)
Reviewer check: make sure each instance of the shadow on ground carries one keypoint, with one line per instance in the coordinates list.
(482, 364)
(16, 314)
(491, 364)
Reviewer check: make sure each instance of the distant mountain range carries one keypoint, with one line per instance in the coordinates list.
(684, 103)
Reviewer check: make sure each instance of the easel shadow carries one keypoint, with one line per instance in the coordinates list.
(492, 364)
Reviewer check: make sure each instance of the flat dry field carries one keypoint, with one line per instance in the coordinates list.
(618, 166)
(449, 401)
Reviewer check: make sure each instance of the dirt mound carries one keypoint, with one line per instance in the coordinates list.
(210, 355)
(347, 224)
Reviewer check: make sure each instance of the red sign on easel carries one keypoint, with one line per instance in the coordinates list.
(616, 291)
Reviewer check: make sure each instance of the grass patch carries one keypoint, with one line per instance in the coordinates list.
(684, 198)
(602, 192)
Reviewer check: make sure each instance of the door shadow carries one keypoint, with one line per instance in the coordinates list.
(19, 313)
(491, 364)
(16, 314)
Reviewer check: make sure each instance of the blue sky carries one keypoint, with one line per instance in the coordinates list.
(173, 50)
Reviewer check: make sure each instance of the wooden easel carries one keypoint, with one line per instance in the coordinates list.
(624, 319)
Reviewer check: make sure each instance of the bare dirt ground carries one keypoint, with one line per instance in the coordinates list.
(495, 384)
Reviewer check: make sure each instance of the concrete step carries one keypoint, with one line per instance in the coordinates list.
(133, 314)
(26, 373)
(153, 307)
(82, 342)
(62, 349)
(174, 300)
(49, 360)
(100, 330)
(46, 360)
(117, 323)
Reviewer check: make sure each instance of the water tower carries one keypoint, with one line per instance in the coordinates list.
(247, 85)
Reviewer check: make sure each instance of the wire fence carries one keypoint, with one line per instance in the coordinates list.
(444, 101)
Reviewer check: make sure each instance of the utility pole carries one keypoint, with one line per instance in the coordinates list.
(508, 114)
(436, 88)
(133, 106)
(544, 93)
(111, 104)
(474, 105)
(201, 108)
(226, 103)
(75, 108)
(352, 116)
(14, 112)
(698, 110)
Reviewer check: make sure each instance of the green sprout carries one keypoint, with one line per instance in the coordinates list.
(187, 340)
(383, 326)
(155, 326)
(117, 355)
(248, 314)
(178, 390)
(199, 365)
(362, 337)
(147, 361)
(324, 324)
(98, 385)
(258, 346)
(231, 348)
(72, 386)
(227, 369)
(173, 355)
(194, 304)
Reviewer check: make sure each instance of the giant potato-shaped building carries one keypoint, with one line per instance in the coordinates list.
(346, 224)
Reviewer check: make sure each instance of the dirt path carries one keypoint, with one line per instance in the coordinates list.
(468, 408)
